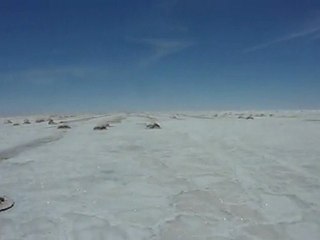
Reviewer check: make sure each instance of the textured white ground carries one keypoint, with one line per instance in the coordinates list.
(201, 176)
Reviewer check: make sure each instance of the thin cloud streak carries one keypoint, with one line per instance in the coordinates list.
(162, 48)
(289, 37)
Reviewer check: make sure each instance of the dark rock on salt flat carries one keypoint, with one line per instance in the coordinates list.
(64, 127)
(51, 122)
(153, 126)
(26, 121)
(102, 127)
(16, 124)
(40, 120)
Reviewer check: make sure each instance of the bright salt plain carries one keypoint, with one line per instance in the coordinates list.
(201, 176)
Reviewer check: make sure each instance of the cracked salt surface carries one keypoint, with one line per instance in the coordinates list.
(199, 177)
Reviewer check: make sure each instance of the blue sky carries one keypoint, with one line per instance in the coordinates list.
(136, 55)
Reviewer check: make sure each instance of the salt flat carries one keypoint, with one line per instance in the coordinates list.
(203, 175)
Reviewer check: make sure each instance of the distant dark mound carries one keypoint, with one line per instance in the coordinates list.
(250, 117)
(153, 126)
(26, 121)
(64, 127)
(102, 127)
(51, 122)
(40, 120)
(7, 122)
(16, 124)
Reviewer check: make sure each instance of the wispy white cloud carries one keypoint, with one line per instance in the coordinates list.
(292, 36)
(161, 48)
(165, 47)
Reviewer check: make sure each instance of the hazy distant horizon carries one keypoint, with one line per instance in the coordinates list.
(177, 111)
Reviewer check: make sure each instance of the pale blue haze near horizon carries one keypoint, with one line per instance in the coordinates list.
(144, 55)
